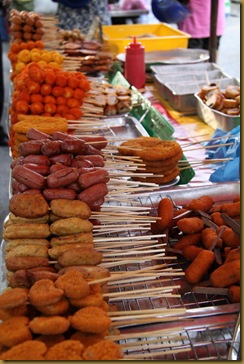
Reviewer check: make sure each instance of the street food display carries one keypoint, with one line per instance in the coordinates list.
(105, 254)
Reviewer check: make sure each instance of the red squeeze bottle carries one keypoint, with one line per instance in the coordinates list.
(134, 69)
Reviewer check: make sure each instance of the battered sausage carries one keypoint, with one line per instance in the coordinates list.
(74, 208)
(16, 263)
(199, 266)
(80, 256)
(190, 225)
(188, 240)
(70, 225)
(26, 230)
(226, 275)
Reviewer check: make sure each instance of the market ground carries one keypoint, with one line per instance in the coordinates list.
(228, 60)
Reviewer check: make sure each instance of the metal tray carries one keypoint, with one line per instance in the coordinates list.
(171, 69)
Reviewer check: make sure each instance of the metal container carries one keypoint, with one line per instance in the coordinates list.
(186, 69)
(162, 79)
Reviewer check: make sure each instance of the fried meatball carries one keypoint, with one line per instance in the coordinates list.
(90, 319)
(52, 325)
(44, 292)
(73, 284)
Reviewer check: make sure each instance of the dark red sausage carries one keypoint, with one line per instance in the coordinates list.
(37, 159)
(54, 193)
(51, 147)
(94, 141)
(73, 145)
(96, 160)
(82, 164)
(38, 168)
(93, 193)
(91, 178)
(65, 159)
(35, 134)
(62, 178)
(28, 177)
(31, 147)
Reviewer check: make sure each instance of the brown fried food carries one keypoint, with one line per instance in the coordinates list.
(13, 243)
(44, 292)
(190, 225)
(51, 325)
(89, 272)
(28, 206)
(159, 180)
(166, 163)
(73, 284)
(85, 238)
(80, 256)
(58, 250)
(39, 220)
(45, 124)
(50, 340)
(13, 297)
(150, 148)
(14, 331)
(87, 338)
(103, 350)
(90, 300)
(59, 308)
(66, 350)
(83, 320)
(70, 225)
(26, 230)
(30, 250)
(203, 203)
(16, 263)
(11, 312)
(28, 350)
(72, 208)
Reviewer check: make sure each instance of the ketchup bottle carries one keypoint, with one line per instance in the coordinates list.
(134, 69)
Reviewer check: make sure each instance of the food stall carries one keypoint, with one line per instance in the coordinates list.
(106, 184)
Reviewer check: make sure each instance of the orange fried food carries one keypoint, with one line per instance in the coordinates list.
(90, 319)
(12, 298)
(57, 308)
(187, 240)
(103, 350)
(203, 203)
(166, 213)
(90, 300)
(65, 350)
(200, 266)
(73, 284)
(73, 208)
(231, 209)
(209, 236)
(52, 325)
(87, 338)
(11, 312)
(80, 256)
(190, 225)
(14, 331)
(50, 340)
(28, 206)
(44, 292)
(28, 350)
(229, 237)
(227, 274)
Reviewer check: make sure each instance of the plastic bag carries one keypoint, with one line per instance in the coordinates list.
(169, 11)
(134, 4)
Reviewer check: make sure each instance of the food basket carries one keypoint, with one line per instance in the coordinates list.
(154, 37)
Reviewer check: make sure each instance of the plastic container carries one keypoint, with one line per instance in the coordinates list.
(134, 69)
(154, 37)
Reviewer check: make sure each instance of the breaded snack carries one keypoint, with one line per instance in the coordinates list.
(39, 220)
(28, 350)
(29, 206)
(45, 124)
(58, 308)
(187, 240)
(13, 297)
(90, 300)
(28, 250)
(227, 274)
(13, 243)
(11, 312)
(160, 180)
(70, 225)
(73, 284)
(190, 225)
(70, 208)
(208, 238)
(79, 238)
(51, 325)
(14, 331)
(199, 266)
(103, 350)
(203, 203)
(66, 350)
(26, 230)
(80, 256)
(16, 263)
(89, 272)
(87, 338)
(50, 340)
(58, 250)
(83, 320)
(44, 292)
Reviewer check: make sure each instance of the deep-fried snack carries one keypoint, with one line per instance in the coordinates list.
(199, 266)
(150, 148)
(59, 308)
(190, 225)
(159, 180)
(26, 230)
(16, 263)
(73, 284)
(13, 243)
(28, 350)
(229, 237)
(103, 350)
(50, 340)
(233, 254)
(190, 252)
(13, 297)
(70, 225)
(187, 240)
(17, 219)
(231, 209)
(80, 238)
(28, 206)
(73, 208)
(226, 275)
(165, 163)
(89, 272)
(28, 250)
(51, 325)
(58, 250)
(44, 292)
(208, 236)
(87, 338)
(14, 331)
(45, 124)
(66, 350)
(11, 312)
(80, 256)
(234, 294)
(217, 218)
(90, 300)
(34, 276)
(83, 320)
(203, 203)
(166, 213)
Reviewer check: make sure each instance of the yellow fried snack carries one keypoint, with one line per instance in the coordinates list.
(51, 325)
(71, 208)
(30, 250)
(58, 250)
(11, 312)
(80, 238)
(70, 225)
(45, 124)
(80, 256)
(26, 230)
(50, 340)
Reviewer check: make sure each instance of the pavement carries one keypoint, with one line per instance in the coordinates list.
(228, 60)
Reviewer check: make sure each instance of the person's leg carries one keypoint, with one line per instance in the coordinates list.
(196, 43)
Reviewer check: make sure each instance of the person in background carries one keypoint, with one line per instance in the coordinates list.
(3, 135)
(81, 13)
(198, 23)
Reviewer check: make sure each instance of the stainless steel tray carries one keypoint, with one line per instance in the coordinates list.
(171, 69)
